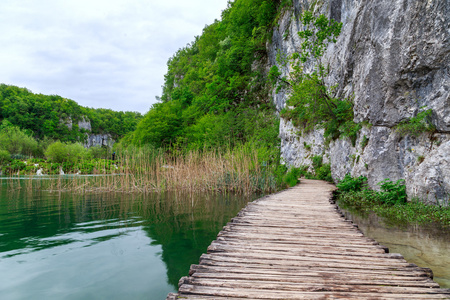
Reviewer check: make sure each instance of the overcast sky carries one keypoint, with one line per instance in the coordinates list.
(100, 53)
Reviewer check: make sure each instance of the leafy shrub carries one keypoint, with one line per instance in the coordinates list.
(4, 156)
(17, 165)
(317, 161)
(61, 152)
(417, 125)
(98, 152)
(291, 177)
(16, 141)
(321, 171)
(393, 193)
(348, 183)
(57, 152)
(324, 173)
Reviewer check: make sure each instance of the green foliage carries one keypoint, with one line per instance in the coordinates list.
(324, 173)
(98, 152)
(420, 159)
(66, 153)
(321, 171)
(364, 142)
(417, 125)
(390, 203)
(311, 102)
(4, 156)
(392, 193)
(16, 165)
(317, 33)
(307, 146)
(160, 125)
(49, 116)
(349, 184)
(317, 161)
(16, 141)
(291, 177)
(215, 93)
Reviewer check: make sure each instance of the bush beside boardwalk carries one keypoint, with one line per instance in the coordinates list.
(390, 202)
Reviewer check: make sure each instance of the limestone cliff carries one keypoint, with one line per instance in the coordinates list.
(393, 57)
(92, 139)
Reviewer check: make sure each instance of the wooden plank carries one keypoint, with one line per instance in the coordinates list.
(225, 261)
(296, 252)
(264, 257)
(186, 290)
(310, 286)
(221, 246)
(324, 279)
(294, 237)
(414, 275)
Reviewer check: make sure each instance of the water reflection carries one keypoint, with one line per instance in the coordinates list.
(425, 246)
(55, 246)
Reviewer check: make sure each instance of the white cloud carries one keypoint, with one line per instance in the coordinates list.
(100, 53)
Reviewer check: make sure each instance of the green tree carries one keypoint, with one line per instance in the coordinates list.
(15, 140)
(311, 101)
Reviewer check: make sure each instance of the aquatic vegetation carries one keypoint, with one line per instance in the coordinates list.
(390, 202)
(145, 170)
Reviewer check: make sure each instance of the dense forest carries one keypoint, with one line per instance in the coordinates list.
(55, 117)
(216, 93)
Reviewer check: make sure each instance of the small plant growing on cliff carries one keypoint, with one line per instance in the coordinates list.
(420, 159)
(307, 146)
(364, 142)
(417, 125)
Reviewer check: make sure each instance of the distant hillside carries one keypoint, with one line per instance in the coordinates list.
(61, 119)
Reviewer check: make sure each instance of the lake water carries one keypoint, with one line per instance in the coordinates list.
(69, 246)
(425, 246)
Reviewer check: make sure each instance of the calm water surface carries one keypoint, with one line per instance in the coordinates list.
(425, 246)
(66, 246)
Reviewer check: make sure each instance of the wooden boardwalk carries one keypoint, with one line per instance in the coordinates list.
(296, 245)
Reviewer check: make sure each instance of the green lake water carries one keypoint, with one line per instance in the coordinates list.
(425, 246)
(104, 246)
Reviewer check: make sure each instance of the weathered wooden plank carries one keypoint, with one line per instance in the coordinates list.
(225, 260)
(294, 237)
(414, 275)
(294, 230)
(186, 290)
(310, 286)
(220, 246)
(303, 252)
(372, 261)
(287, 225)
(324, 279)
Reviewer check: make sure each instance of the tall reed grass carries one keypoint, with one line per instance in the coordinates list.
(148, 170)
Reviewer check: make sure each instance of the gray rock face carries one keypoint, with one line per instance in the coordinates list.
(99, 140)
(393, 57)
(84, 124)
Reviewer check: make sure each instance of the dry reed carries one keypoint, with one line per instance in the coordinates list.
(144, 170)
